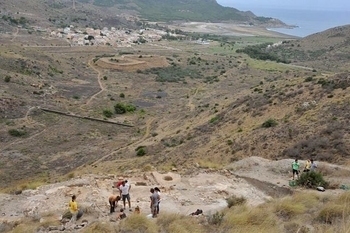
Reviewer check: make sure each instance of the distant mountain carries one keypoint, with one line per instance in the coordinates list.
(190, 10)
(123, 13)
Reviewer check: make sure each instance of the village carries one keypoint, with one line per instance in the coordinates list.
(107, 36)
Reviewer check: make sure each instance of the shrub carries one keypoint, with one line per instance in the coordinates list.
(168, 178)
(243, 216)
(216, 219)
(164, 220)
(122, 95)
(214, 120)
(107, 113)
(185, 225)
(332, 212)
(137, 223)
(289, 208)
(308, 79)
(99, 227)
(234, 201)
(141, 152)
(312, 180)
(17, 132)
(121, 108)
(7, 79)
(269, 123)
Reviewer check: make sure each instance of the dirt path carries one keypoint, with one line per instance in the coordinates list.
(148, 126)
(190, 101)
(99, 74)
(15, 34)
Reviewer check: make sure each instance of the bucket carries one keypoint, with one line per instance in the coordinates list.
(292, 183)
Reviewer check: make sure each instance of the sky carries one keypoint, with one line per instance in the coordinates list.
(336, 5)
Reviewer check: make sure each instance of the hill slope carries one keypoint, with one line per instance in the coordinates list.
(127, 13)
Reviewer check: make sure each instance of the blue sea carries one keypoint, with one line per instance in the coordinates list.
(308, 21)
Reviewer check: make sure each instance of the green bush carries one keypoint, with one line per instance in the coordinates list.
(17, 132)
(107, 113)
(269, 123)
(7, 78)
(122, 95)
(312, 180)
(234, 201)
(121, 108)
(141, 152)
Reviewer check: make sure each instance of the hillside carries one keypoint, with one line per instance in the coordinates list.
(127, 13)
(327, 50)
(80, 105)
(195, 104)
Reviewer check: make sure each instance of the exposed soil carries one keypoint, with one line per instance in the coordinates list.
(205, 189)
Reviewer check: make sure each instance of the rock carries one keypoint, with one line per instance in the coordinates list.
(54, 190)
(145, 176)
(17, 192)
(53, 228)
(174, 169)
(321, 189)
(140, 183)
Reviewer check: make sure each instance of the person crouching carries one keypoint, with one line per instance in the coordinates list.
(113, 202)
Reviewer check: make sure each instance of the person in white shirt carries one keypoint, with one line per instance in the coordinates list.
(124, 192)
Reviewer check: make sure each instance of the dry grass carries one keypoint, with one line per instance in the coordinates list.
(137, 224)
(23, 227)
(209, 164)
(176, 223)
(243, 216)
(101, 227)
(184, 225)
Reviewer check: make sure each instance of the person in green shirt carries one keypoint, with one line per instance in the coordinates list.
(295, 168)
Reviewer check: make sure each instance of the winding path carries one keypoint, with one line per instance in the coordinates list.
(102, 88)
(148, 129)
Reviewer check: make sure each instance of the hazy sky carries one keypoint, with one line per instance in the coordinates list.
(343, 5)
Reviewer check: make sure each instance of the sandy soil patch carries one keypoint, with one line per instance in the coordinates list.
(132, 63)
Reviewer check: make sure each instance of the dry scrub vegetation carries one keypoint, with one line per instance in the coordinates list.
(301, 212)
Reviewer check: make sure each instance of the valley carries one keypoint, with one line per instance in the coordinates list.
(199, 102)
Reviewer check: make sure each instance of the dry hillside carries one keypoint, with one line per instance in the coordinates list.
(73, 117)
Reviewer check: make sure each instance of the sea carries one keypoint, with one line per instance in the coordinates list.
(308, 21)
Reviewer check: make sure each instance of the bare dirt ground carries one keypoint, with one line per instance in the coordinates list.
(256, 179)
(228, 29)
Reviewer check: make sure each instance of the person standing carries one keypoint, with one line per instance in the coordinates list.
(124, 191)
(154, 202)
(307, 166)
(73, 208)
(157, 190)
(313, 165)
(295, 168)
